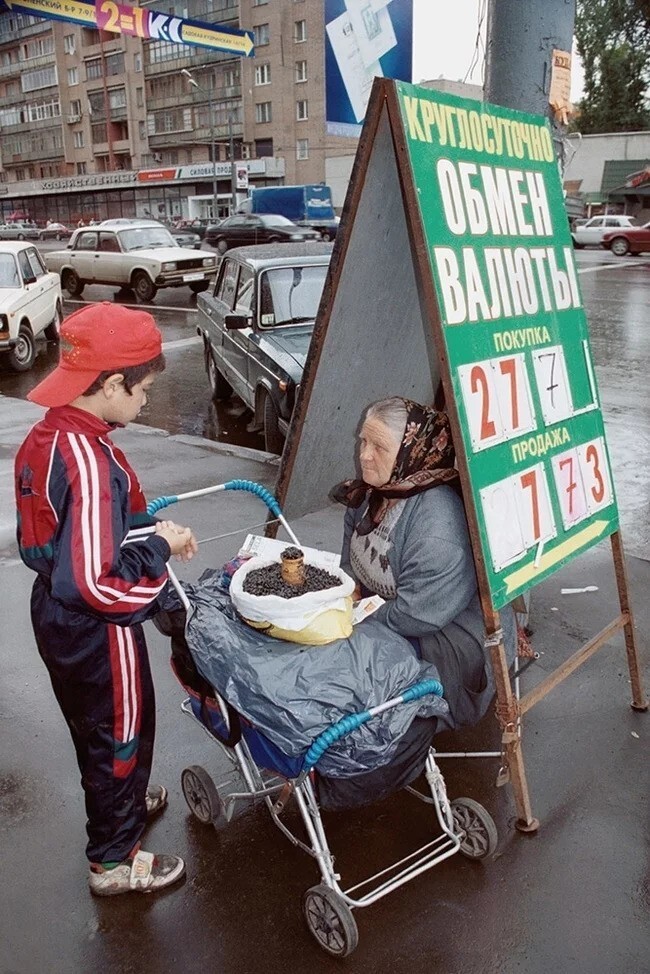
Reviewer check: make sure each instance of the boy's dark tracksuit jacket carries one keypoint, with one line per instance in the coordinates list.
(77, 498)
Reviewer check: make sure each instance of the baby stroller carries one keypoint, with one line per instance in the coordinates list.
(275, 775)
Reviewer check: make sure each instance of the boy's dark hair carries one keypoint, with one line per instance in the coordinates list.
(132, 374)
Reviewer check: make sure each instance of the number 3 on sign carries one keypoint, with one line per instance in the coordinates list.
(582, 480)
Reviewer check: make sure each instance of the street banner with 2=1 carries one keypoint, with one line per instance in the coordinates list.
(516, 335)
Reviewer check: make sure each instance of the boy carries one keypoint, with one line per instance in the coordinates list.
(77, 498)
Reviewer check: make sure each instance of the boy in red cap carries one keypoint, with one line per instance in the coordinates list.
(77, 499)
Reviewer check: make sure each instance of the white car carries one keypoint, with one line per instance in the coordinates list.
(30, 303)
(591, 233)
(136, 254)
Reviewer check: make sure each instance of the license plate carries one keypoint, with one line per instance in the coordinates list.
(193, 277)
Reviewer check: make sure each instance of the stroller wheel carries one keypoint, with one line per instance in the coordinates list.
(330, 920)
(476, 827)
(201, 795)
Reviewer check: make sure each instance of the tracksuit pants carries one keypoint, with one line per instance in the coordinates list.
(102, 681)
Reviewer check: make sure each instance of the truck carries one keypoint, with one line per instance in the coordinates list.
(308, 205)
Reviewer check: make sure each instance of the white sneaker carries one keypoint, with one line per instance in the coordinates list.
(145, 873)
(156, 799)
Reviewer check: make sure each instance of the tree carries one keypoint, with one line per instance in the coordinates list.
(613, 39)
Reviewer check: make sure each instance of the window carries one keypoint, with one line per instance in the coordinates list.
(73, 76)
(263, 112)
(302, 111)
(300, 31)
(261, 35)
(228, 283)
(263, 147)
(137, 62)
(94, 68)
(263, 74)
(81, 169)
(108, 242)
(170, 121)
(87, 241)
(69, 43)
(97, 104)
(75, 107)
(24, 265)
(41, 78)
(117, 98)
(302, 149)
(38, 47)
(36, 263)
(99, 133)
(78, 140)
(301, 71)
(244, 292)
(142, 130)
(115, 63)
(139, 97)
(260, 3)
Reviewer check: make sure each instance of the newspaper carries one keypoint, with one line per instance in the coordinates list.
(272, 548)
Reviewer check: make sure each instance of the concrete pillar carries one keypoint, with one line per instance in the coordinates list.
(521, 36)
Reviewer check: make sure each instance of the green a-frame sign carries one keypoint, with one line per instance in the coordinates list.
(454, 275)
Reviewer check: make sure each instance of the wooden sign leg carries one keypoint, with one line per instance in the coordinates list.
(639, 700)
(508, 717)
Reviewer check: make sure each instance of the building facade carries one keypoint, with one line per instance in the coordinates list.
(98, 125)
(611, 172)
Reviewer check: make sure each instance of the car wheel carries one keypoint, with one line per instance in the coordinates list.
(72, 283)
(21, 236)
(199, 286)
(273, 438)
(219, 385)
(221, 246)
(53, 330)
(23, 354)
(144, 287)
(619, 246)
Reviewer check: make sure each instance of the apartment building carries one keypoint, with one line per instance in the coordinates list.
(98, 125)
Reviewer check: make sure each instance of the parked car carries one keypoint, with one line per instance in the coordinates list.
(55, 231)
(250, 229)
(196, 225)
(256, 324)
(30, 304)
(591, 233)
(141, 255)
(628, 240)
(185, 237)
(18, 231)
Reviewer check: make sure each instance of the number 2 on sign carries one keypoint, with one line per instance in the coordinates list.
(497, 400)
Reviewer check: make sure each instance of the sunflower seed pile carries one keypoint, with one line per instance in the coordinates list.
(269, 581)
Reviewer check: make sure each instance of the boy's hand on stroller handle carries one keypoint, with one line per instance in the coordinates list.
(181, 541)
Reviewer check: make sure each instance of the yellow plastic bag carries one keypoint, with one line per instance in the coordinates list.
(325, 628)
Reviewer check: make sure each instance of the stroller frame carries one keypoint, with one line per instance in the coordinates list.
(466, 827)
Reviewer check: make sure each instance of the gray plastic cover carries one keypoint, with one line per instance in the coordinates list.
(292, 692)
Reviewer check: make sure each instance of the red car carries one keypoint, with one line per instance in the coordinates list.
(628, 240)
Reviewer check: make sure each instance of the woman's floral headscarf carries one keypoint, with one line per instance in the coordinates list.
(424, 460)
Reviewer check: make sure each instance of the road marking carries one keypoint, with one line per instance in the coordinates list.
(154, 307)
(181, 343)
(613, 267)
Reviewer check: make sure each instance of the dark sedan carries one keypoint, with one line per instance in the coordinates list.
(256, 324)
(250, 229)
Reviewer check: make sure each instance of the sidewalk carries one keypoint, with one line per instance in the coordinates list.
(572, 899)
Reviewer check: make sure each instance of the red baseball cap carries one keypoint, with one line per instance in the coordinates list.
(98, 338)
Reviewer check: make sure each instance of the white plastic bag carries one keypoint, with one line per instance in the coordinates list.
(314, 618)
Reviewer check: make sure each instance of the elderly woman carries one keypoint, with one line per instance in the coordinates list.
(406, 540)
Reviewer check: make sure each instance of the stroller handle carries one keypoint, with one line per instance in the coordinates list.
(352, 721)
(260, 491)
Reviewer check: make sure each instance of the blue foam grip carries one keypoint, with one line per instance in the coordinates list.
(259, 491)
(158, 503)
(352, 721)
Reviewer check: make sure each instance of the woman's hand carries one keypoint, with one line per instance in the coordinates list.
(181, 541)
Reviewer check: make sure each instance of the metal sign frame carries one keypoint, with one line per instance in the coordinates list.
(384, 109)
